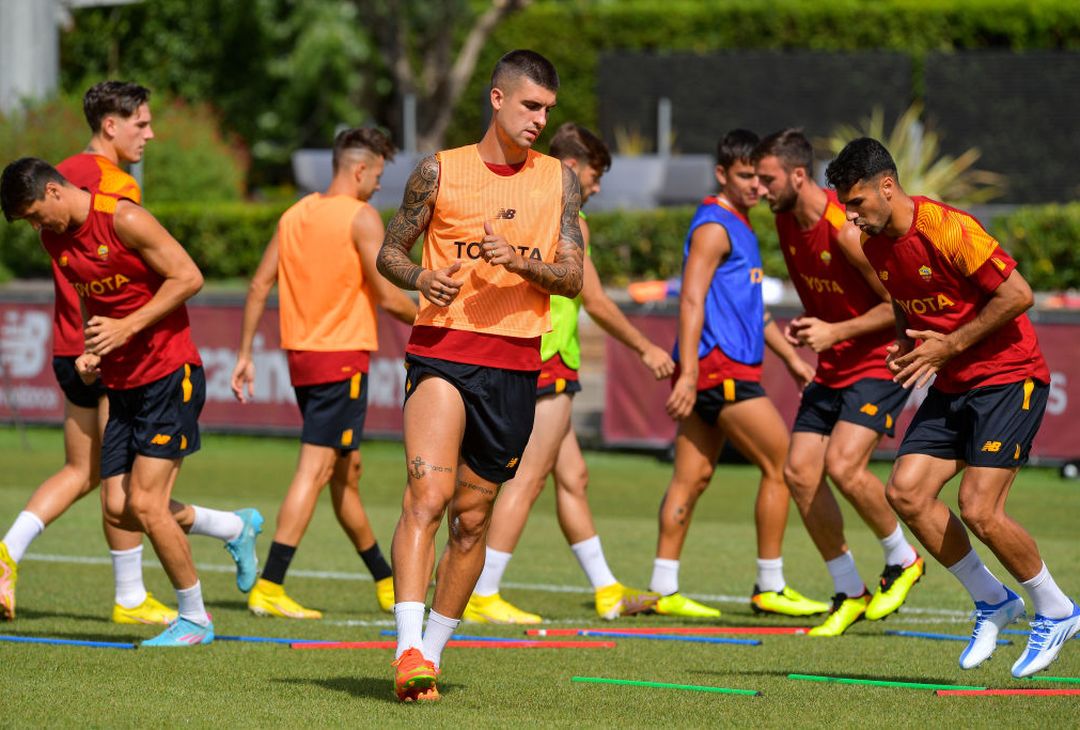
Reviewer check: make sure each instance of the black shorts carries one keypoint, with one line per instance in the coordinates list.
(159, 419)
(334, 413)
(75, 390)
(990, 426)
(499, 409)
(869, 402)
(710, 402)
(559, 385)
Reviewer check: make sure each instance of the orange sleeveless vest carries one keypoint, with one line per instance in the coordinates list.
(525, 208)
(325, 303)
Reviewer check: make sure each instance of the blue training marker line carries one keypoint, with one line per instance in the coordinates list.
(67, 642)
(939, 637)
(672, 637)
(463, 637)
(270, 640)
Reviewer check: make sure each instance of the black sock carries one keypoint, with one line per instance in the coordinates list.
(277, 562)
(375, 562)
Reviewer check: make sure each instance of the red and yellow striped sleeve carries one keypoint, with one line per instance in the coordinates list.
(115, 181)
(972, 251)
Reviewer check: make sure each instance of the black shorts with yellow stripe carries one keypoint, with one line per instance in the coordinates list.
(334, 413)
(871, 402)
(159, 419)
(710, 402)
(989, 426)
(499, 408)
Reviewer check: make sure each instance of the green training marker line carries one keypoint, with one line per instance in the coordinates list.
(877, 682)
(1071, 680)
(666, 685)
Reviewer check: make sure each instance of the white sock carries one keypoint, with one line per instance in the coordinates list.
(898, 551)
(409, 617)
(215, 523)
(1046, 597)
(978, 580)
(24, 530)
(770, 574)
(665, 577)
(495, 563)
(127, 572)
(591, 557)
(845, 575)
(190, 605)
(439, 630)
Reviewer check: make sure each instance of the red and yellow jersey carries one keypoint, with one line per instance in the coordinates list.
(525, 208)
(833, 290)
(114, 281)
(940, 274)
(98, 175)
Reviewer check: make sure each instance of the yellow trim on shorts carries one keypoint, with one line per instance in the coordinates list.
(354, 391)
(346, 437)
(185, 386)
(729, 389)
(1029, 387)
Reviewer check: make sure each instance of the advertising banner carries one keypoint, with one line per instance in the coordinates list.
(28, 389)
(634, 414)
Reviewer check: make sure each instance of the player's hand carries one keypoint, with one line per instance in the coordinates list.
(897, 349)
(791, 332)
(918, 366)
(817, 334)
(657, 360)
(243, 378)
(104, 334)
(680, 403)
(87, 365)
(438, 286)
(496, 250)
(801, 372)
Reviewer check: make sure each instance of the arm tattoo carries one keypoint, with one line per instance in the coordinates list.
(408, 223)
(563, 277)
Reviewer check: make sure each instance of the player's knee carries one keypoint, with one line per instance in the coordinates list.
(469, 528)
(802, 482)
(145, 509)
(904, 498)
(980, 516)
(844, 473)
(425, 506)
(575, 483)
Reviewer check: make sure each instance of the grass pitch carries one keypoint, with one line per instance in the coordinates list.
(65, 591)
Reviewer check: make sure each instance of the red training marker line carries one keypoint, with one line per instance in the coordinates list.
(987, 692)
(691, 630)
(524, 644)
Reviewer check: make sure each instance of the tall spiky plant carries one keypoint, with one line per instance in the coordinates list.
(922, 168)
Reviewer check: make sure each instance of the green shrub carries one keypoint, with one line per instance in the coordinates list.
(1043, 239)
(635, 245)
(227, 241)
(574, 35)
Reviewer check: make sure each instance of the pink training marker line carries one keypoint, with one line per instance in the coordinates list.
(691, 630)
(524, 644)
(987, 692)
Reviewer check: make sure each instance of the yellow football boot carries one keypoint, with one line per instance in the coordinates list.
(618, 600)
(270, 599)
(896, 582)
(494, 610)
(384, 591)
(785, 602)
(679, 605)
(150, 611)
(9, 573)
(845, 612)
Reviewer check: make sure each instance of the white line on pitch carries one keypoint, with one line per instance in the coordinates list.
(543, 587)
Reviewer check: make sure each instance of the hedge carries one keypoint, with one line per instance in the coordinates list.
(227, 240)
(574, 35)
